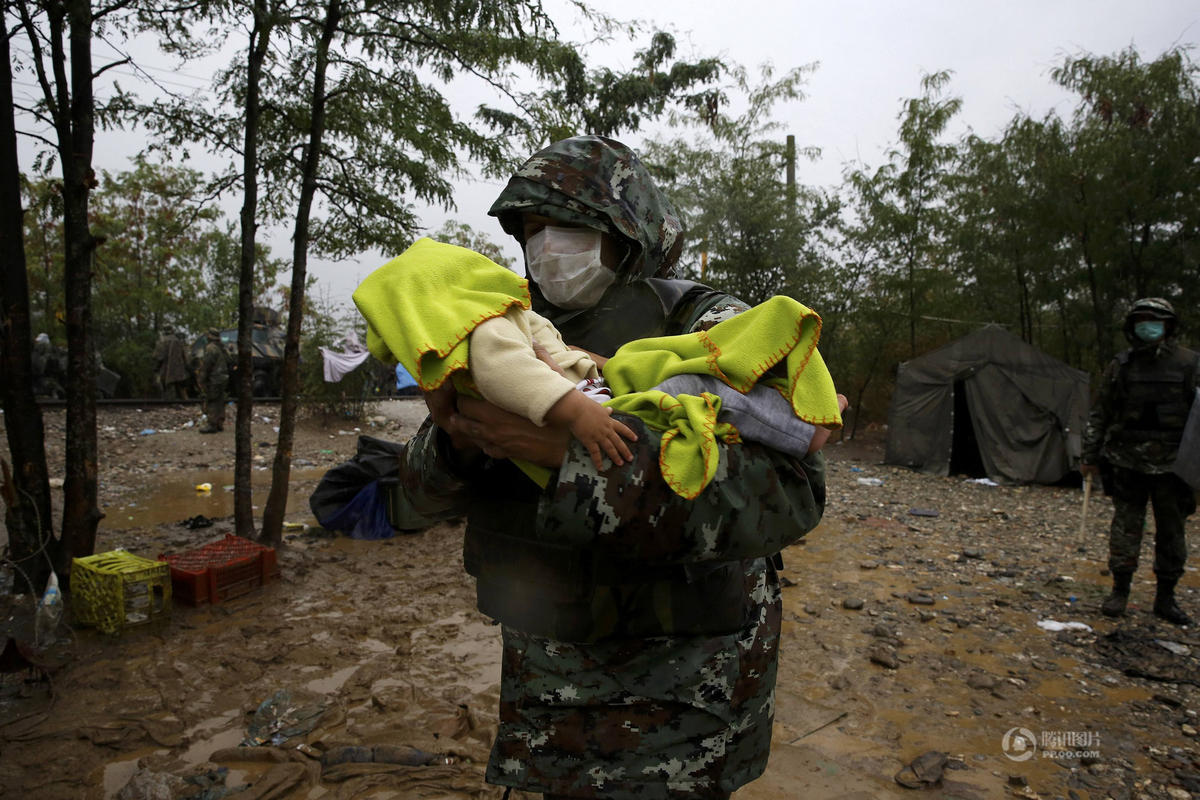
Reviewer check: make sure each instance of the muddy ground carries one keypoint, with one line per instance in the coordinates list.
(911, 628)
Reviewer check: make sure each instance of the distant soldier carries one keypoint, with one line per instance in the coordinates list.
(47, 368)
(213, 376)
(1135, 426)
(170, 365)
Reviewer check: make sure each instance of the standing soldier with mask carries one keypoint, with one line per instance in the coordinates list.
(213, 376)
(1135, 426)
(170, 365)
(640, 630)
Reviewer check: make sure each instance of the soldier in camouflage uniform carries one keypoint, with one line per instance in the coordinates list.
(170, 365)
(641, 630)
(1135, 426)
(213, 377)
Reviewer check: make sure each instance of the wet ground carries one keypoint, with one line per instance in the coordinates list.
(911, 628)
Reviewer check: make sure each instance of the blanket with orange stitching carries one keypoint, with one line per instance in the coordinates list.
(422, 306)
(773, 343)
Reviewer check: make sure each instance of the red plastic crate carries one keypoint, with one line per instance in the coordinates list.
(221, 570)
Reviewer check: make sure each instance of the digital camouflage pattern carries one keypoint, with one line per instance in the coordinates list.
(641, 630)
(213, 377)
(1134, 429)
(1172, 500)
(625, 716)
(564, 182)
(1145, 395)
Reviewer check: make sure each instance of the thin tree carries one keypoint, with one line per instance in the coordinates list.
(59, 35)
(25, 491)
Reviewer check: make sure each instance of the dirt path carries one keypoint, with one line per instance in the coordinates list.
(911, 625)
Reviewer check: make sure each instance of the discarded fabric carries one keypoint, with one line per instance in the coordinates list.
(1055, 625)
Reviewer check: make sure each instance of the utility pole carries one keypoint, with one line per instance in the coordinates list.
(791, 173)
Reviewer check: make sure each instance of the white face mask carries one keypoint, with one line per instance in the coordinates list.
(565, 264)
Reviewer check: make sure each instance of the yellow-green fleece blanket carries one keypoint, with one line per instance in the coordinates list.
(422, 305)
(739, 351)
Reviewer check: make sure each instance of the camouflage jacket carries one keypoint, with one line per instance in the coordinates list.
(214, 369)
(641, 630)
(1140, 410)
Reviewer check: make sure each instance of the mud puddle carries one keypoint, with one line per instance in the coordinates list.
(183, 495)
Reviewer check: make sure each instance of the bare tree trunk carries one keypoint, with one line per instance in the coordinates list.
(272, 527)
(243, 500)
(81, 515)
(27, 490)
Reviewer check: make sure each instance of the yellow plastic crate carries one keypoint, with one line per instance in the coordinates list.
(117, 590)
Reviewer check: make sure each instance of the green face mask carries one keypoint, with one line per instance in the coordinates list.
(1150, 330)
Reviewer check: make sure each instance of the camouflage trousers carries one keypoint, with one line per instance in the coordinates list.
(214, 408)
(1173, 501)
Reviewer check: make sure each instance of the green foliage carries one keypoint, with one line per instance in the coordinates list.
(463, 235)
(602, 102)
(902, 206)
(748, 232)
(166, 257)
(42, 200)
(390, 136)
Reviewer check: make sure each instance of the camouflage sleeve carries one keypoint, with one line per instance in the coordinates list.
(1099, 416)
(430, 488)
(759, 502)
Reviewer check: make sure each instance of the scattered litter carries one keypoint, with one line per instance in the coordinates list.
(189, 423)
(283, 716)
(203, 487)
(1175, 647)
(983, 481)
(1055, 625)
(198, 521)
(148, 431)
(923, 512)
(326, 452)
(856, 469)
(870, 481)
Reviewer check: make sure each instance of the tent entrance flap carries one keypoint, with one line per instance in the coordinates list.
(964, 448)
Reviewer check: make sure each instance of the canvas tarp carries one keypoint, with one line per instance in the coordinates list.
(1026, 410)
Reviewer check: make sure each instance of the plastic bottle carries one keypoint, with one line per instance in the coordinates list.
(870, 481)
(49, 612)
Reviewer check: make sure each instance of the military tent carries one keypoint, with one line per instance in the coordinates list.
(988, 404)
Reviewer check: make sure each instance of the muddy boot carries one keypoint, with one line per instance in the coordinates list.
(1114, 604)
(1165, 606)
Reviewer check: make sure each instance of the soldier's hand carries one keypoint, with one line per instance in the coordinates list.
(502, 434)
(442, 403)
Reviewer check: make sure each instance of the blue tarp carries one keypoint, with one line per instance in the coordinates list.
(403, 379)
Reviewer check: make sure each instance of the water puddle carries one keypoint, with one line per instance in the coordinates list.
(118, 773)
(331, 683)
(175, 497)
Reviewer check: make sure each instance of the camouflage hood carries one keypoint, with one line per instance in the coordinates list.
(599, 183)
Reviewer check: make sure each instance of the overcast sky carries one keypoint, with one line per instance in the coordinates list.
(870, 56)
